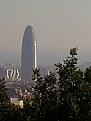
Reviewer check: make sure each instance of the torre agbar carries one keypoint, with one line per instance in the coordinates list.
(28, 55)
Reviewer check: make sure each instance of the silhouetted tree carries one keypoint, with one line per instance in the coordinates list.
(3, 95)
(63, 95)
(74, 90)
(44, 99)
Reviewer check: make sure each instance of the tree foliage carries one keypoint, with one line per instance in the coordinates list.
(62, 95)
(3, 95)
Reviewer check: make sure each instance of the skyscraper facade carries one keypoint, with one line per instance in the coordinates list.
(29, 54)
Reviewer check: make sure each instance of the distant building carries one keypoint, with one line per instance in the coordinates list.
(28, 55)
(9, 70)
(16, 101)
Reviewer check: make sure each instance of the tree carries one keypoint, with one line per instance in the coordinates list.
(74, 90)
(67, 83)
(3, 95)
(8, 111)
(44, 98)
(63, 95)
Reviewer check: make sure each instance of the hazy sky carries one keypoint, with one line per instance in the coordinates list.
(59, 25)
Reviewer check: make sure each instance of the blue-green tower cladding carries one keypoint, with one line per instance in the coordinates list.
(28, 55)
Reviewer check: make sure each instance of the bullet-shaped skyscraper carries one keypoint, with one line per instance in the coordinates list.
(29, 54)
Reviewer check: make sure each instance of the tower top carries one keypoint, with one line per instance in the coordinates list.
(29, 27)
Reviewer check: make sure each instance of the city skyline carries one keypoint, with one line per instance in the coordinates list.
(59, 25)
